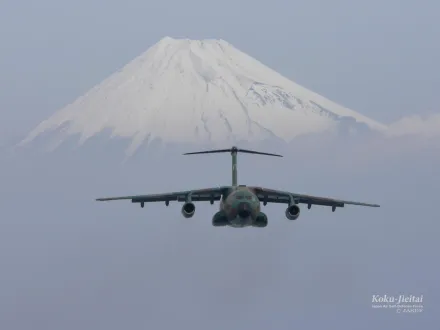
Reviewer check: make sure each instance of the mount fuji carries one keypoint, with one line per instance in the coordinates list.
(196, 91)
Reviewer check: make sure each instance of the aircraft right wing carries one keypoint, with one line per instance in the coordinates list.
(278, 196)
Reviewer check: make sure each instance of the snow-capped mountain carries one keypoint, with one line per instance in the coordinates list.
(183, 90)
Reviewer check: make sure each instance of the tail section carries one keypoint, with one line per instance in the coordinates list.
(233, 151)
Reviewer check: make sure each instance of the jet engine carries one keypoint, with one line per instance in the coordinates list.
(292, 212)
(261, 220)
(188, 210)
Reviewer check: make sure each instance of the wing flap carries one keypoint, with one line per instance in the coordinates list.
(195, 197)
(209, 194)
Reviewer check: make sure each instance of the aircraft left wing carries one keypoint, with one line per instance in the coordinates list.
(285, 197)
(197, 195)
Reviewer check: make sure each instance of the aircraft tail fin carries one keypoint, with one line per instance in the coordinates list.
(234, 151)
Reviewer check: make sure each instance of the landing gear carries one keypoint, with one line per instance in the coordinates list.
(219, 224)
(261, 221)
(219, 219)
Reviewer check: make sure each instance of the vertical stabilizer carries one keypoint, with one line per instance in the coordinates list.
(233, 151)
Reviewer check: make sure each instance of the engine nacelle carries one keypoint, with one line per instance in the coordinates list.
(188, 210)
(261, 220)
(292, 212)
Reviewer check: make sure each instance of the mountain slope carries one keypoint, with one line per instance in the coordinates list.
(196, 91)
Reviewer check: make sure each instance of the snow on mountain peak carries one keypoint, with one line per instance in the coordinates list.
(183, 90)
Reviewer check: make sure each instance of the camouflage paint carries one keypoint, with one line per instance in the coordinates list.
(234, 168)
(239, 198)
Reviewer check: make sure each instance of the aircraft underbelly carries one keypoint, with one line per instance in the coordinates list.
(239, 222)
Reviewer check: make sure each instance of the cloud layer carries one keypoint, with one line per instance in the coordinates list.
(427, 127)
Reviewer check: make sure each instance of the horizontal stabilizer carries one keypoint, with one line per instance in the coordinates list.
(232, 150)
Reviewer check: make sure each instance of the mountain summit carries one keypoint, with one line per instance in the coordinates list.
(183, 90)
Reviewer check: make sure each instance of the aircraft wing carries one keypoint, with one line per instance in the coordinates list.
(285, 197)
(208, 194)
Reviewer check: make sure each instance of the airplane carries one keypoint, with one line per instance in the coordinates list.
(239, 204)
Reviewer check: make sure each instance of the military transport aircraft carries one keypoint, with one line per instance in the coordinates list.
(239, 204)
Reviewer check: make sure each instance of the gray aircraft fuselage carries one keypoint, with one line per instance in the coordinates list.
(240, 207)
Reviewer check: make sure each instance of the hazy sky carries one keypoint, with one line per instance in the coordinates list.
(377, 57)
(71, 263)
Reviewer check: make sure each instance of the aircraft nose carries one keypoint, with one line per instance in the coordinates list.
(244, 210)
